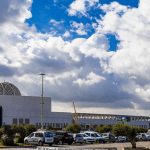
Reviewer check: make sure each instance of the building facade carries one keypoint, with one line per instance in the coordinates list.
(17, 109)
(110, 119)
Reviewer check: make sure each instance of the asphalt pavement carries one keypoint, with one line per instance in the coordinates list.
(110, 146)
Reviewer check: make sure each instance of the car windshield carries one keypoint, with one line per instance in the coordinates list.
(84, 135)
(78, 135)
(48, 134)
(97, 135)
(68, 134)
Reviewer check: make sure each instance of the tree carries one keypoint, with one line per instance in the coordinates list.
(1, 133)
(22, 133)
(142, 130)
(126, 130)
(9, 131)
(74, 128)
(29, 128)
(57, 125)
(94, 126)
(103, 129)
(49, 127)
(119, 130)
(131, 133)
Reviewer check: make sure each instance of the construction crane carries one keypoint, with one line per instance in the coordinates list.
(75, 113)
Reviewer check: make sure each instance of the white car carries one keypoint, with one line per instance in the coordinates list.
(40, 138)
(97, 137)
(87, 139)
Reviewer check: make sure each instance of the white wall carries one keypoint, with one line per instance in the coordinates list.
(28, 107)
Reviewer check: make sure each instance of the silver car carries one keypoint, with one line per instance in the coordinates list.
(78, 138)
(87, 139)
(97, 137)
(40, 138)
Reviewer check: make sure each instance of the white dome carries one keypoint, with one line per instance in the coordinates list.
(7, 88)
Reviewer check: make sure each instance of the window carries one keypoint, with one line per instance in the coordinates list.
(48, 134)
(88, 134)
(38, 135)
(92, 135)
(26, 121)
(31, 135)
(14, 120)
(20, 121)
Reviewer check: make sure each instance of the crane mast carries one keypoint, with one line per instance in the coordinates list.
(75, 113)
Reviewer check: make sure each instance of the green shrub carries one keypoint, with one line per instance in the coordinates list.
(74, 128)
(29, 128)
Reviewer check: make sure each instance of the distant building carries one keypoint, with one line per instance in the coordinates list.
(17, 109)
(105, 119)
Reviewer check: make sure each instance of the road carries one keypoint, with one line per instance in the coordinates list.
(119, 146)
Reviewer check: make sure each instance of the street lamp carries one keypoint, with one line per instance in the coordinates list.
(42, 101)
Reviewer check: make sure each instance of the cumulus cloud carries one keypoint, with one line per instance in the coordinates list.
(79, 28)
(132, 30)
(82, 69)
(81, 6)
(92, 78)
(67, 34)
(56, 23)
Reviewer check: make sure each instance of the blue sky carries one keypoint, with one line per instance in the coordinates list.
(93, 52)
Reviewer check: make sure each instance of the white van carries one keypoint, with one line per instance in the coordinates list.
(40, 138)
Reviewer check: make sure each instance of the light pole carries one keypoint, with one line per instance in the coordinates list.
(42, 101)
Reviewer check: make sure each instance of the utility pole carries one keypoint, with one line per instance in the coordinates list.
(42, 101)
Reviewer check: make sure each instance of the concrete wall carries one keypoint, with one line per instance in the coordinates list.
(27, 107)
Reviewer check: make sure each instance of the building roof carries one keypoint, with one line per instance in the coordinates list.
(7, 88)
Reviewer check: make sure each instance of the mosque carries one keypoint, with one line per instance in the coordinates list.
(18, 109)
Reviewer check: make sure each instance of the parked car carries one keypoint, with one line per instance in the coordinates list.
(78, 138)
(40, 138)
(97, 137)
(121, 139)
(63, 137)
(109, 136)
(145, 136)
(87, 139)
(139, 136)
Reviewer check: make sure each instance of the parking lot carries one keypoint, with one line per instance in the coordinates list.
(119, 146)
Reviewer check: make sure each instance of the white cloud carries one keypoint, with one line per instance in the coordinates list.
(25, 53)
(80, 29)
(143, 93)
(56, 23)
(92, 78)
(132, 30)
(79, 6)
(67, 34)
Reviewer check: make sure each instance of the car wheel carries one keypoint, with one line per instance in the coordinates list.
(60, 142)
(50, 144)
(69, 143)
(40, 143)
(101, 141)
(26, 142)
(84, 141)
